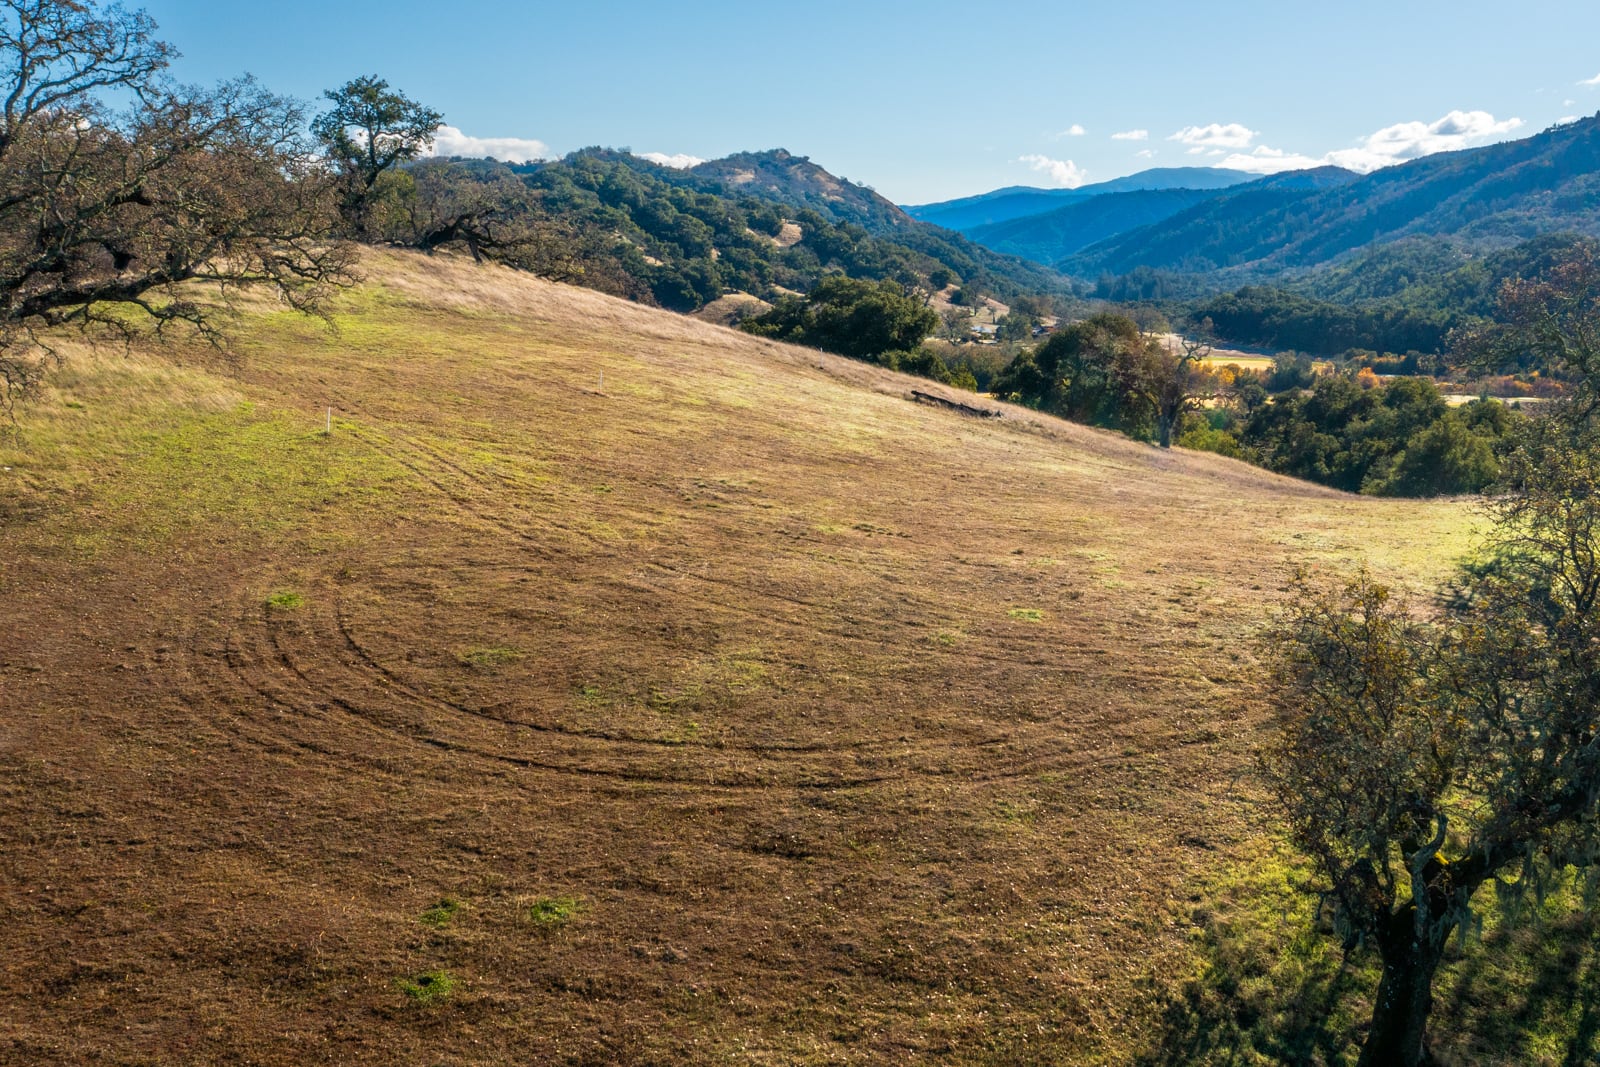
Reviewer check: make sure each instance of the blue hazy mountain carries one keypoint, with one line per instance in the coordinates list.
(1487, 197)
(1002, 205)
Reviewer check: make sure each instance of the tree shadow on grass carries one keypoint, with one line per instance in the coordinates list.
(1523, 995)
(1529, 994)
(1244, 1010)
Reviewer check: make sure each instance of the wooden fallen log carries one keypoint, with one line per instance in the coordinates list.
(956, 405)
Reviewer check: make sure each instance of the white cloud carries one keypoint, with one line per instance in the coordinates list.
(1413, 140)
(1393, 144)
(1064, 173)
(1264, 160)
(1071, 131)
(1215, 135)
(1570, 103)
(681, 161)
(1131, 135)
(1591, 82)
(1564, 119)
(1147, 153)
(449, 141)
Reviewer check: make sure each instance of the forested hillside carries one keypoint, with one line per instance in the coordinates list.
(764, 224)
(1063, 231)
(1399, 298)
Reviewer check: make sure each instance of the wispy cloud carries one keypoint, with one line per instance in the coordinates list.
(1131, 135)
(1147, 153)
(681, 161)
(1216, 135)
(1591, 82)
(1063, 173)
(1074, 130)
(449, 141)
(1393, 144)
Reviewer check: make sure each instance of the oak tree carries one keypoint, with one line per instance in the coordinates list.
(370, 129)
(1169, 378)
(104, 209)
(1423, 759)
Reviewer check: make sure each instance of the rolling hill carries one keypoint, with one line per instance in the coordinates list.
(1002, 205)
(611, 687)
(796, 182)
(762, 223)
(780, 176)
(1489, 197)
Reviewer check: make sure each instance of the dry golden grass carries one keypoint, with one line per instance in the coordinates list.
(729, 309)
(743, 711)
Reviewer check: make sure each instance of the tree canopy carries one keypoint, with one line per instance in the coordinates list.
(1104, 370)
(100, 207)
(371, 127)
(851, 317)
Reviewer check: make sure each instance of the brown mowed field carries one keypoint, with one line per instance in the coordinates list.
(739, 711)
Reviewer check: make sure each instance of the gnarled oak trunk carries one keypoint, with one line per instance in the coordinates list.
(1399, 1033)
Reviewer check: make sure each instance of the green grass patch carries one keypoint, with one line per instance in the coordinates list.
(159, 452)
(441, 914)
(490, 657)
(285, 601)
(429, 987)
(551, 913)
(1026, 614)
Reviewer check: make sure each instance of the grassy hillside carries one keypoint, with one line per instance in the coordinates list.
(735, 710)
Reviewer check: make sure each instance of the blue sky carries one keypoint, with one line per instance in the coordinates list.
(935, 99)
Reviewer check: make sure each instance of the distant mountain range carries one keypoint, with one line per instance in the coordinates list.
(1486, 197)
(1055, 235)
(1015, 202)
(1221, 228)
(771, 223)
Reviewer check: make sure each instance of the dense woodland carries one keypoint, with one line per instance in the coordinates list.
(1401, 298)
(1350, 431)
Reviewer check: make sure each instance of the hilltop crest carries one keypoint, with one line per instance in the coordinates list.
(778, 174)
